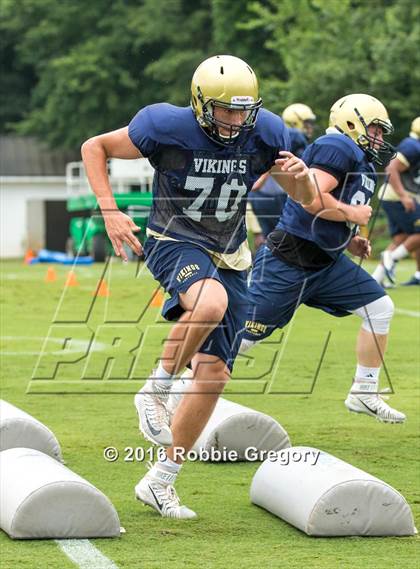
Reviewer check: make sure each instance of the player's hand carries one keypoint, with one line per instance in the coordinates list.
(260, 182)
(408, 202)
(120, 228)
(360, 247)
(259, 240)
(291, 164)
(360, 214)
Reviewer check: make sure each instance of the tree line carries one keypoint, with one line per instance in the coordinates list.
(72, 69)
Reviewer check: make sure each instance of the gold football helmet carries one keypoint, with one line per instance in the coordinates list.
(228, 82)
(415, 128)
(296, 115)
(352, 115)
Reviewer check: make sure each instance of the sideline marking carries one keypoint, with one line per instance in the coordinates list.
(412, 313)
(79, 346)
(85, 554)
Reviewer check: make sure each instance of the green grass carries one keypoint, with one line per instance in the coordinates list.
(88, 415)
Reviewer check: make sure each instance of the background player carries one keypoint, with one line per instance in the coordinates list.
(401, 203)
(303, 261)
(207, 157)
(300, 120)
(268, 197)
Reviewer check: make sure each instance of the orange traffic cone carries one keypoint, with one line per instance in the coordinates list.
(29, 255)
(102, 289)
(71, 279)
(157, 299)
(51, 275)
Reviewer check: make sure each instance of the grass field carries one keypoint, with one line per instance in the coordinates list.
(90, 414)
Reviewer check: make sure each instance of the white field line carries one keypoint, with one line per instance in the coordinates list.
(84, 554)
(78, 346)
(412, 313)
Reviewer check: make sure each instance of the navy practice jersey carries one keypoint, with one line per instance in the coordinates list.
(410, 149)
(338, 155)
(298, 141)
(200, 187)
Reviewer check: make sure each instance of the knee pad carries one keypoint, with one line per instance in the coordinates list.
(246, 345)
(376, 315)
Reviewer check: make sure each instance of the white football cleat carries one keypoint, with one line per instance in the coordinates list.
(389, 266)
(151, 405)
(156, 490)
(373, 404)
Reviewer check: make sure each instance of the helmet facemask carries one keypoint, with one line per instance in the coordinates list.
(214, 125)
(353, 115)
(378, 151)
(308, 128)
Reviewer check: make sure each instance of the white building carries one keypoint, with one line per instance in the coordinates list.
(35, 183)
(32, 195)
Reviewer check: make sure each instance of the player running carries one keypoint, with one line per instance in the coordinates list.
(207, 157)
(401, 203)
(304, 259)
(268, 198)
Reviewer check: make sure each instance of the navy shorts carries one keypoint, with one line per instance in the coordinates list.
(277, 289)
(399, 220)
(177, 265)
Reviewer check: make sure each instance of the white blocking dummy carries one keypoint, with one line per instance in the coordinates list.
(42, 498)
(233, 427)
(19, 429)
(325, 496)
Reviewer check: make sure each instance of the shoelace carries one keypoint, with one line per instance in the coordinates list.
(156, 411)
(172, 496)
(169, 499)
(377, 403)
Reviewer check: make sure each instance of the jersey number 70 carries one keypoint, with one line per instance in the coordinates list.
(205, 184)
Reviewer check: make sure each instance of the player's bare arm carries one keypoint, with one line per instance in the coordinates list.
(95, 153)
(293, 175)
(328, 207)
(395, 168)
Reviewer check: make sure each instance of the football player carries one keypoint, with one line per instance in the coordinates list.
(401, 202)
(300, 120)
(268, 198)
(304, 259)
(207, 157)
